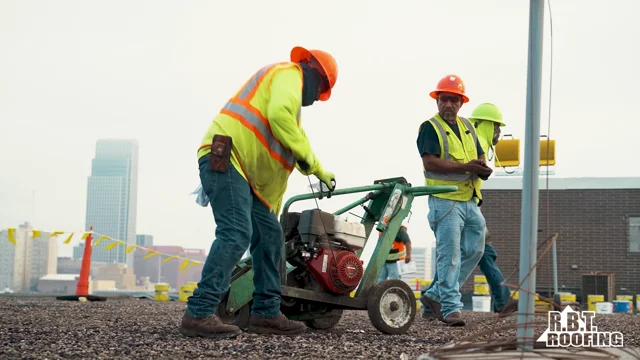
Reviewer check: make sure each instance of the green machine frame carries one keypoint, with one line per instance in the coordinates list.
(388, 204)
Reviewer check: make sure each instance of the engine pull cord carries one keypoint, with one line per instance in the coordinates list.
(321, 219)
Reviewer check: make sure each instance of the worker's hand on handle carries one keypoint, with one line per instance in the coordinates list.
(328, 178)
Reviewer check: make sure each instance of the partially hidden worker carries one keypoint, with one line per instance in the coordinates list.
(487, 120)
(400, 251)
(452, 155)
(245, 160)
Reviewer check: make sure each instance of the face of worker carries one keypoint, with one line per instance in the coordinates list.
(320, 79)
(448, 106)
(496, 133)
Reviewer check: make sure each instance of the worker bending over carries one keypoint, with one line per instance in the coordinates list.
(487, 120)
(401, 250)
(245, 160)
(452, 155)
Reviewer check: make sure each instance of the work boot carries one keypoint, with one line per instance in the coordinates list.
(209, 327)
(280, 325)
(454, 319)
(510, 307)
(436, 308)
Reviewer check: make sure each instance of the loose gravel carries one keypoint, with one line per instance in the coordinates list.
(45, 328)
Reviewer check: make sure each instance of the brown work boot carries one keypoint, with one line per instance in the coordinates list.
(436, 308)
(209, 327)
(454, 319)
(280, 325)
(509, 308)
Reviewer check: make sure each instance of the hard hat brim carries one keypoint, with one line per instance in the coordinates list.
(434, 94)
(298, 54)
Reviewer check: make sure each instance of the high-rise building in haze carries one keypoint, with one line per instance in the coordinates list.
(22, 264)
(144, 240)
(112, 195)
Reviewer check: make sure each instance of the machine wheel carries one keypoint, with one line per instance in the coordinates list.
(239, 318)
(330, 319)
(391, 306)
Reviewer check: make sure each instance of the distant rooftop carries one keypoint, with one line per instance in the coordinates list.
(64, 277)
(558, 183)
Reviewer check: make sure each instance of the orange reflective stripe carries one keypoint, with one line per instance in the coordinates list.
(240, 109)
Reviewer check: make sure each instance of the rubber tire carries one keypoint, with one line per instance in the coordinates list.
(375, 297)
(239, 318)
(331, 319)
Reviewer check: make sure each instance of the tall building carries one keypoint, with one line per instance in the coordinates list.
(22, 264)
(112, 195)
(144, 240)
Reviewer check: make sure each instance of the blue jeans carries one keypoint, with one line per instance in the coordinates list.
(459, 228)
(389, 271)
(500, 293)
(242, 220)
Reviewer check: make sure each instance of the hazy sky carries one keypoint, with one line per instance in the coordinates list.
(72, 72)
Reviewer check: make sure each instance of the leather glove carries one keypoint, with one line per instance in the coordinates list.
(328, 178)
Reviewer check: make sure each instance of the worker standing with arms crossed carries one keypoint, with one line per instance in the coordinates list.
(487, 120)
(401, 250)
(451, 155)
(245, 160)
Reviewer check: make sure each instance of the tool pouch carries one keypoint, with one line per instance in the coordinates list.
(220, 153)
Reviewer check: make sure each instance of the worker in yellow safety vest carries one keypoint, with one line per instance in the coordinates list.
(487, 121)
(401, 250)
(452, 155)
(246, 157)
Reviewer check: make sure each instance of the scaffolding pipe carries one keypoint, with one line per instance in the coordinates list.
(529, 209)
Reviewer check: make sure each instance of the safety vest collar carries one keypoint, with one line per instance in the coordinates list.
(445, 151)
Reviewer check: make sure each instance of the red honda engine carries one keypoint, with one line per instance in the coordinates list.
(340, 274)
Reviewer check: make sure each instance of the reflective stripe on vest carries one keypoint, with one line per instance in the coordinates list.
(240, 108)
(445, 151)
(401, 251)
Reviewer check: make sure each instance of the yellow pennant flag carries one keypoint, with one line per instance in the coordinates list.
(184, 264)
(68, 239)
(130, 248)
(100, 239)
(170, 258)
(56, 233)
(151, 253)
(12, 235)
(85, 235)
(36, 234)
(113, 245)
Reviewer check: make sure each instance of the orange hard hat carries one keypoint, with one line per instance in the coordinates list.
(451, 84)
(325, 60)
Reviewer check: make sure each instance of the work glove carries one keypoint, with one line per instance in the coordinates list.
(327, 177)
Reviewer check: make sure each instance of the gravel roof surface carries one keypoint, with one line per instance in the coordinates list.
(44, 328)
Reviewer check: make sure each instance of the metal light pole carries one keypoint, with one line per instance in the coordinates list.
(529, 219)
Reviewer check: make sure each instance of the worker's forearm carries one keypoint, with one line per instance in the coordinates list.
(408, 245)
(437, 165)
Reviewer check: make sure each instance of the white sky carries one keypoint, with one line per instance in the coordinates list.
(72, 72)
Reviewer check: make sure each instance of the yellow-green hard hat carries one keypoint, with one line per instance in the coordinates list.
(487, 112)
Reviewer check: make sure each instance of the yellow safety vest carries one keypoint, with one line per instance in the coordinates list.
(452, 149)
(261, 158)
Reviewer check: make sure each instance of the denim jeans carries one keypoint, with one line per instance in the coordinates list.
(242, 220)
(389, 271)
(459, 228)
(500, 293)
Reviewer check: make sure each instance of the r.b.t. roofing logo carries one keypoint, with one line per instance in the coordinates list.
(571, 328)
